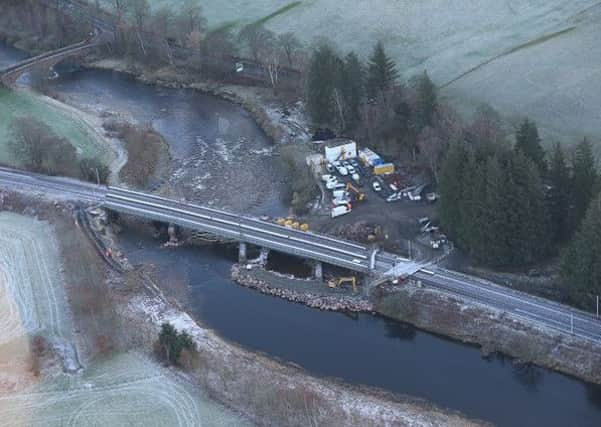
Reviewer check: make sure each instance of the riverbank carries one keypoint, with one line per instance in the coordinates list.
(266, 391)
(494, 331)
(434, 311)
(282, 122)
(272, 393)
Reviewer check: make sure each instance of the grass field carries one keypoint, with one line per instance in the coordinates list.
(15, 104)
(124, 389)
(553, 79)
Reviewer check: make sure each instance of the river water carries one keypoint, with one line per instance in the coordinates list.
(361, 349)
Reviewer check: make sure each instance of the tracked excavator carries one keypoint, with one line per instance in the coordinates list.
(338, 282)
(357, 195)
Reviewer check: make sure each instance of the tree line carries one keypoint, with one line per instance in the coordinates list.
(37, 148)
(512, 205)
(166, 37)
(367, 101)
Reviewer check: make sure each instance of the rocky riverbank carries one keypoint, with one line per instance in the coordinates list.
(494, 331)
(312, 299)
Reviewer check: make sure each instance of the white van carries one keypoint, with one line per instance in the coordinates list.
(340, 201)
(340, 210)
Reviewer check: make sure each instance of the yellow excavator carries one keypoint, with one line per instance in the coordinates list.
(359, 195)
(338, 282)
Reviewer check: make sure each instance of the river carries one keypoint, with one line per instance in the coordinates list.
(362, 349)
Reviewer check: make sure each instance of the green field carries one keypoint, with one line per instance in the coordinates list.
(15, 104)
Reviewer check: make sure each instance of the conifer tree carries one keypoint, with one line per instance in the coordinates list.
(558, 197)
(584, 179)
(381, 72)
(529, 143)
(427, 101)
(528, 229)
(581, 264)
(493, 244)
(322, 81)
(451, 187)
(352, 87)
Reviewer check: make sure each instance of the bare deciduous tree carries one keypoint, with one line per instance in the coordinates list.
(290, 45)
(431, 147)
(258, 40)
(141, 12)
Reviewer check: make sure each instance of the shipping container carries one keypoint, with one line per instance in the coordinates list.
(369, 158)
(341, 152)
(384, 168)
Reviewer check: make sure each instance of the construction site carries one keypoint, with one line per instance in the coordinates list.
(363, 198)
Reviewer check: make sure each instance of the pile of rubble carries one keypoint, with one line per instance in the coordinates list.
(361, 231)
(322, 302)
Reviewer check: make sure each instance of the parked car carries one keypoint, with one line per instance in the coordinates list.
(393, 197)
(354, 163)
(432, 197)
(355, 176)
(423, 220)
(326, 177)
(331, 184)
(342, 170)
(330, 168)
(351, 169)
(414, 197)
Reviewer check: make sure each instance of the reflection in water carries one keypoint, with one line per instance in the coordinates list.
(593, 393)
(528, 374)
(399, 330)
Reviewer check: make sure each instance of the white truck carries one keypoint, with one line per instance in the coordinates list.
(340, 210)
(339, 194)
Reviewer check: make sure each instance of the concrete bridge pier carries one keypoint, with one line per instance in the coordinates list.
(318, 270)
(263, 256)
(242, 252)
(172, 231)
